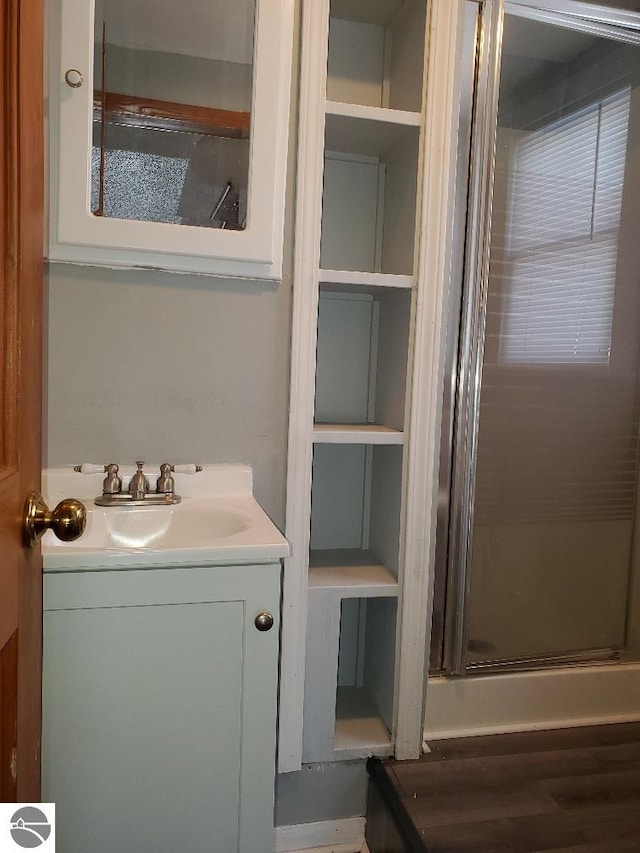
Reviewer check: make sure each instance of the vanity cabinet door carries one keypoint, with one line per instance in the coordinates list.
(159, 711)
(169, 127)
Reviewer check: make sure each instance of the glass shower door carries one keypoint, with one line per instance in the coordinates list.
(550, 559)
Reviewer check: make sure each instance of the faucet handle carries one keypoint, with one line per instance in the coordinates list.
(112, 483)
(89, 468)
(165, 483)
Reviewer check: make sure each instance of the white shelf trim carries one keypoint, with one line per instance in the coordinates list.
(359, 732)
(367, 131)
(315, 26)
(353, 581)
(356, 434)
(436, 223)
(378, 114)
(365, 279)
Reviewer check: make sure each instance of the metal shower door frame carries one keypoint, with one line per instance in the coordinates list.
(460, 444)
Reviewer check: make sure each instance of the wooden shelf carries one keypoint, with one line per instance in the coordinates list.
(351, 573)
(359, 731)
(366, 131)
(356, 434)
(357, 281)
(168, 115)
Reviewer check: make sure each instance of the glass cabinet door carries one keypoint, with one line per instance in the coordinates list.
(172, 112)
(169, 129)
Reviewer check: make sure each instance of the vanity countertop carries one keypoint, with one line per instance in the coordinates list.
(218, 522)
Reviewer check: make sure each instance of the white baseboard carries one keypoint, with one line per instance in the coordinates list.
(525, 701)
(330, 836)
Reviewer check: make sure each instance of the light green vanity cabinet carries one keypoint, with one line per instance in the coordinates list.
(159, 714)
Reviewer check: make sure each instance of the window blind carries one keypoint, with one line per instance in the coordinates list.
(558, 260)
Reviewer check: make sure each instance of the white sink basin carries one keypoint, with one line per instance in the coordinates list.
(202, 529)
(180, 526)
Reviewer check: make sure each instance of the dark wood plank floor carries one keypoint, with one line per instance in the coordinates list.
(561, 791)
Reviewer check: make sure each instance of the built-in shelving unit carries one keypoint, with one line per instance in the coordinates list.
(371, 123)
(359, 272)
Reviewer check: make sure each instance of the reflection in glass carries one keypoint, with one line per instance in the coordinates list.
(557, 468)
(172, 102)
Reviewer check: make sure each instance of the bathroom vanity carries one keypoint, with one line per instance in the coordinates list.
(160, 673)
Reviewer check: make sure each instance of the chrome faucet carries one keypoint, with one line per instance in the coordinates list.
(138, 485)
(138, 491)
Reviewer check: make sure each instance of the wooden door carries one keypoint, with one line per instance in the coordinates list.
(21, 275)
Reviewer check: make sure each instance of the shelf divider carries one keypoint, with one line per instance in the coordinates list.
(356, 434)
(366, 131)
(368, 113)
(350, 573)
(359, 731)
(364, 280)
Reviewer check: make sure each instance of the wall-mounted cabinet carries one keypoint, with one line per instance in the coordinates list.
(169, 129)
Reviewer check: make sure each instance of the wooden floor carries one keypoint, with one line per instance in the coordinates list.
(563, 791)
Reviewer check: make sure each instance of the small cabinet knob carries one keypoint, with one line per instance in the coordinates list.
(73, 78)
(264, 621)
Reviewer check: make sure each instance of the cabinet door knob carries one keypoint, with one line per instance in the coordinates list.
(264, 621)
(73, 78)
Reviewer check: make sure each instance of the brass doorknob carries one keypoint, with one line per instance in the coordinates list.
(68, 520)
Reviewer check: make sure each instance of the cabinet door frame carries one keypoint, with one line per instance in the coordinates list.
(79, 236)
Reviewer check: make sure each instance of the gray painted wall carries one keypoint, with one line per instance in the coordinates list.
(149, 365)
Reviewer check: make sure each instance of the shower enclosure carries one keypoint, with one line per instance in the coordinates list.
(538, 560)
